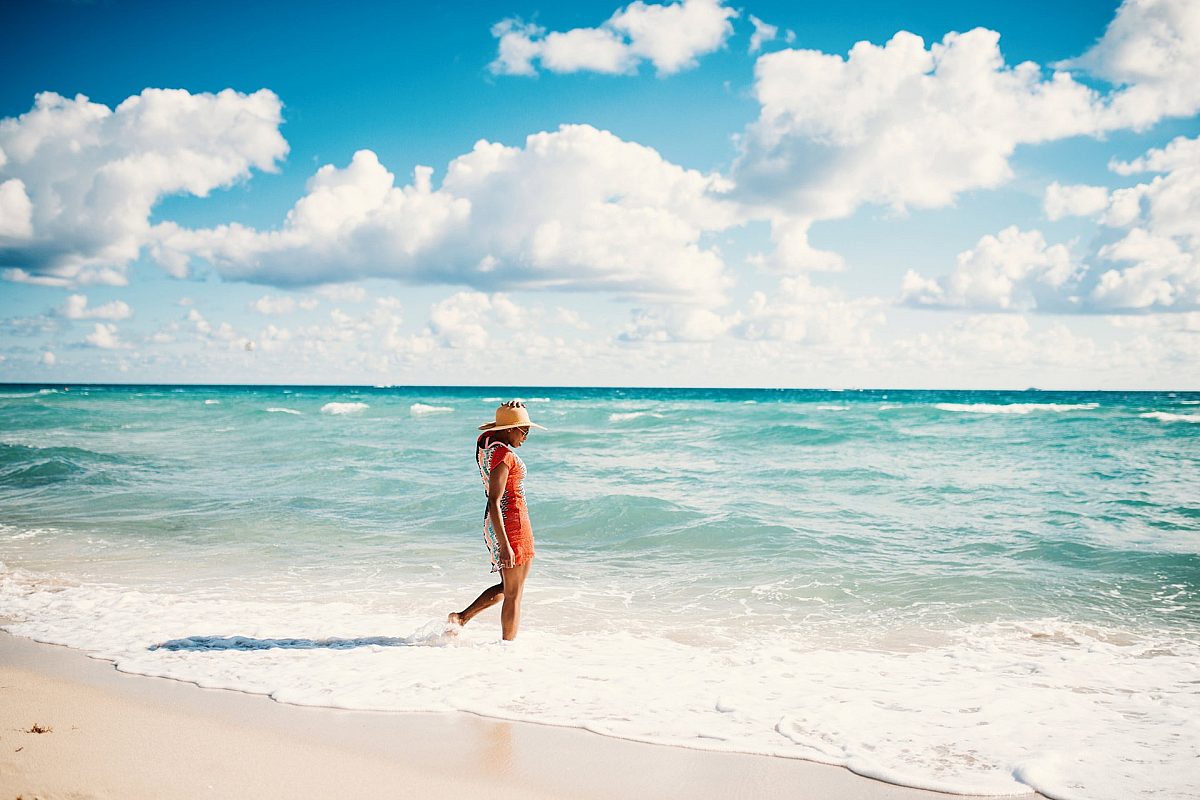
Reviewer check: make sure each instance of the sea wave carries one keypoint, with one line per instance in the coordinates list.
(343, 408)
(625, 416)
(1013, 408)
(281, 410)
(914, 714)
(211, 402)
(420, 409)
(1167, 416)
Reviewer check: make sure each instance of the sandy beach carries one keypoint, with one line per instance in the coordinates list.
(113, 735)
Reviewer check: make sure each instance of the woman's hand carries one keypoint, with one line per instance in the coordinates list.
(507, 558)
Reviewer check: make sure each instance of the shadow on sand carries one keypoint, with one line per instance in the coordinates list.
(204, 643)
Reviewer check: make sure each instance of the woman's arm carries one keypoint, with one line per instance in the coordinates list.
(496, 484)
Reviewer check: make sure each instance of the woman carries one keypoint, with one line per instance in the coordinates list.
(506, 529)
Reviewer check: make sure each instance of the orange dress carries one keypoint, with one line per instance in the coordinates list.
(514, 512)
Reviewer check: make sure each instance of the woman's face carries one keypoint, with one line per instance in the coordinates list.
(516, 436)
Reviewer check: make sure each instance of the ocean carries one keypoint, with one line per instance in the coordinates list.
(984, 592)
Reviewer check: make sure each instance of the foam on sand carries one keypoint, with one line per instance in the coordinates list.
(1167, 416)
(420, 409)
(1013, 408)
(982, 710)
(343, 408)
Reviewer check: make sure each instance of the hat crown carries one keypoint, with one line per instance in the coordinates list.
(507, 415)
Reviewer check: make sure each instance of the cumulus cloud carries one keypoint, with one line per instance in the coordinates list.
(801, 312)
(906, 126)
(671, 37)
(104, 336)
(990, 343)
(1159, 250)
(76, 307)
(1152, 50)
(763, 33)
(675, 324)
(1073, 201)
(796, 312)
(270, 305)
(78, 180)
(1013, 270)
(574, 209)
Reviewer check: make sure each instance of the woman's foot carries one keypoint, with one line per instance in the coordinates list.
(454, 623)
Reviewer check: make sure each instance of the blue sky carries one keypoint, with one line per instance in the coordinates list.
(653, 203)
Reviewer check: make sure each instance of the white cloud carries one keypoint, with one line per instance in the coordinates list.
(269, 305)
(675, 324)
(1161, 247)
(992, 345)
(104, 336)
(575, 209)
(16, 211)
(800, 312)
(197, 319)
(1073, 201)
(79, 179)
(763, 33)
(340, 292)
(797, 312)
(1013, 270)
(1163, 275)
(908, 126)
(76, 307)
(671, 37)
(49, 359)
(1152, 50)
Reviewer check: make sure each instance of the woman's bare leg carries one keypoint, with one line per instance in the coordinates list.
(488, 598)
(513, 587)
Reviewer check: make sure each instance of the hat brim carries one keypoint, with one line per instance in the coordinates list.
(491, 426)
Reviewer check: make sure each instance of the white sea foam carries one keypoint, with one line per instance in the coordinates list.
(628, 415)
(982, 711)
(343, 408)
(1189, 402)
(419, 409)
(281, 410)
(1013, 408)
(1166, 416)
(211, 402)
(833, 408)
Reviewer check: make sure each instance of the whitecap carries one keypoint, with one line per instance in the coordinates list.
(280, 410)
(419, 409)
(343, 408)
(1189, 402)
(626, 416)
(833, 408)
(1165, 416)
(1013, 408)
(212, 402)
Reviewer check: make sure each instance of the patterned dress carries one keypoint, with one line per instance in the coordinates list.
(514, 512)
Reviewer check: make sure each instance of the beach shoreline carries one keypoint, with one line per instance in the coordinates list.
(118, 735)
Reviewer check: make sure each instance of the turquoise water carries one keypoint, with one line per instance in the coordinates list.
(789, 538)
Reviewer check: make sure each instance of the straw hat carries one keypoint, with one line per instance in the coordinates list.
(507, 416)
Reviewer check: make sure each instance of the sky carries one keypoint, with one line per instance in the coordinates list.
(693, 193)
